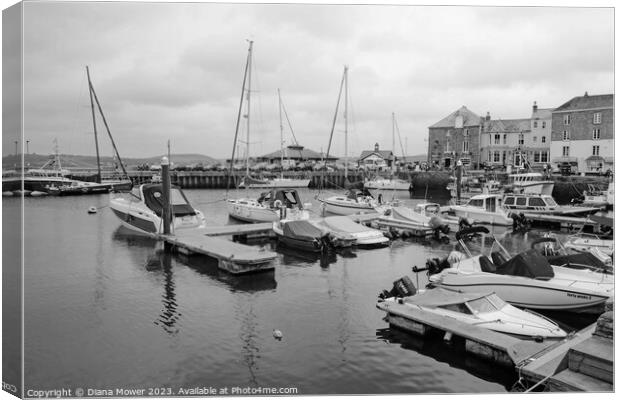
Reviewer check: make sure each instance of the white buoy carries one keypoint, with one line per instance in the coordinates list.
(92, 210)
(277, 334)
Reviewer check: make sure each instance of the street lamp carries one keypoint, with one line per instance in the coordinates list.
(27, 147)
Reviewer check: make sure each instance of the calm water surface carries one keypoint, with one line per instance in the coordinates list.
(107, 309)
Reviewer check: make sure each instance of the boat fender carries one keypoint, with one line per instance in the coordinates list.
(380, 198)
(277, 204)
(387, 212)
(435, 222)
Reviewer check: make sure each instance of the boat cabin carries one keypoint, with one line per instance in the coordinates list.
(529, 202)
(152, 196)
(288, 198)
(487, 202)
(526, 178)
(427, 209)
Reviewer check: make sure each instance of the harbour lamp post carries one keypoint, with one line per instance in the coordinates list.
(27, 146)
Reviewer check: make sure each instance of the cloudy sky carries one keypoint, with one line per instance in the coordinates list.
(174, 71)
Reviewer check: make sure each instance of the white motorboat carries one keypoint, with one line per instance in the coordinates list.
(364, 236)
(141, 209)
(353, 202)
(387, 184)
(531, 182)
(542, 204)
(270, 206)
(558, 255)
(485, 310)
(526, 280)
(281, 182)
(484, 208)
(474, 185)
(595, 235)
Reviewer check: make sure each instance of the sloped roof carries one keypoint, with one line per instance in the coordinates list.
(304, 154)
(507, 125)
(469, 119)
(385, 154)
(542, 113)
(586, 102)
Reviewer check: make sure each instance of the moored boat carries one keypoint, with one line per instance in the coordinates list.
(268, 207)
(364, 236)
(558, 255)
(481, 309)
(379, 183)
(526, 280)
(531, 183)
(542, 204)
(141, 209)
(484, 208)
(352, 202)
(301, 235)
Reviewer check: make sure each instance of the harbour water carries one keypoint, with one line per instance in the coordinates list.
(105, 309)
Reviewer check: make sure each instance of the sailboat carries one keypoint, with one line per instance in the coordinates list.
(352, 202)
(111, 184)
(389, 183)
(278, 182)
(259, 210)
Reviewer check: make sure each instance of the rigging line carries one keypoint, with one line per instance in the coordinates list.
(402, 149)
(291, 128)
(331, 135)
(232, 157)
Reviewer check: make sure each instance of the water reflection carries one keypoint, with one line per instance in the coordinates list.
(250, 283)
(162, 260)
(451, 353)
(297, 257)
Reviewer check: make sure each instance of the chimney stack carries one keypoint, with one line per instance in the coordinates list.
(534, 107)
(585, 95)
(488, 117)
(376, 146)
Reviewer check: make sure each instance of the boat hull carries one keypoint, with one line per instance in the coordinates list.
(388, 184)
(493, 218)
(279, 183)
(344, 207)
(244, 211)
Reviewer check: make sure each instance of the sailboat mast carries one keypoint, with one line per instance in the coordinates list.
(281, 136)
(105, 123)
(247, 133)
(393, 141)
(346, 122)
(92, 108)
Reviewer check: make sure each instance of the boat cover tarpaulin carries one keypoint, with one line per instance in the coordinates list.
(578, 259)
(302, 230)
(599, 219)
(345, 224)
(442, 297)
(530, 264)
(153, 198)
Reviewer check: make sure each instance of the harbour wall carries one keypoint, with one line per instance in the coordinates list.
(566, 187)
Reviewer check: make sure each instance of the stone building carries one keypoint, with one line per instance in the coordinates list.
(583, 133)
(539, 142)
(503, 141)
(455, 137)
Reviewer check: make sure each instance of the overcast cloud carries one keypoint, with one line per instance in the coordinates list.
(174, 71)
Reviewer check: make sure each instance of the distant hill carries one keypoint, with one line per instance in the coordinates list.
(79, 161)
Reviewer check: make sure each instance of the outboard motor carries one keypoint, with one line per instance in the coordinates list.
(402, 287)
(520, 223)
(436, 265)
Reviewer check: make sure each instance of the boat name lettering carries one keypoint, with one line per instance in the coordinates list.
(579, 296)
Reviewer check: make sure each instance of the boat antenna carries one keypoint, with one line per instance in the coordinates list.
(105, 123)
(245, 75)
(331, 134)
(92, 108)
(281, 136)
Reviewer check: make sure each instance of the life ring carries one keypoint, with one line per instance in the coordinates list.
(277, 204)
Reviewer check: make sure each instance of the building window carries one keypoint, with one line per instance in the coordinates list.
(544, 156)
(496, 156)
(465, 146)
(535, 124)
(536, 156)
(597, 118)
(544, 124)
(596, 133)
(489, 156)
(521, 140)
(543, 139)
(567, 119)
(466, 134)
(565, 151)
(497, 138)
(595, 150)
(535, 139)
(565, 135)
(505, 138)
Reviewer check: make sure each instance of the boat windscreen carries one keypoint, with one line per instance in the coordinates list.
(482, 305)
(153, 198)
